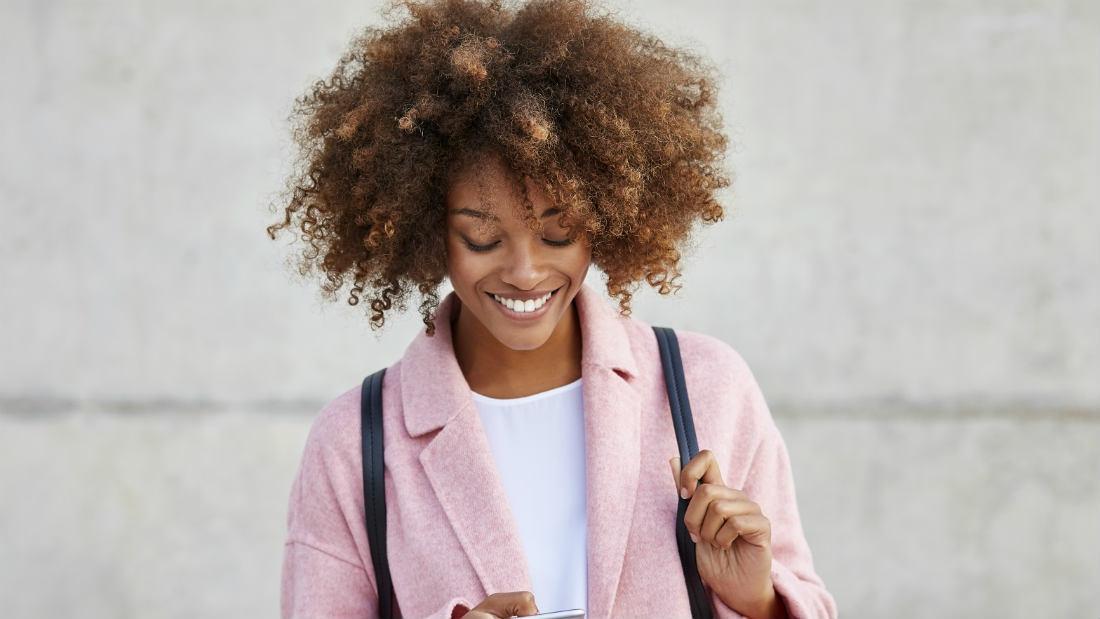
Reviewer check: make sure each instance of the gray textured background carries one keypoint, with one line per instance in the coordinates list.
(909, 267)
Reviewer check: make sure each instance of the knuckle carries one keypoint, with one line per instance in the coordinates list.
(712, 509)
(715, 490)
(698, 509)
(725, 508)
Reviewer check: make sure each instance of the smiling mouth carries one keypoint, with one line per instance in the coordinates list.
(550, 298)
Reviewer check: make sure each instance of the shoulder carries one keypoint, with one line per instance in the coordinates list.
(701, 354)
(335, 427)
(705, 352)
(726, 399)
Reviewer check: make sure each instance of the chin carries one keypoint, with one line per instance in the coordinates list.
(521, 338)
(522, 343)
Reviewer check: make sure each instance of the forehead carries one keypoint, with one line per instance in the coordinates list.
(487, 190)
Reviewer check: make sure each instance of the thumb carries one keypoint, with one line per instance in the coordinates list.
(674, 464)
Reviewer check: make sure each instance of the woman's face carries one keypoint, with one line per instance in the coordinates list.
(492, 254)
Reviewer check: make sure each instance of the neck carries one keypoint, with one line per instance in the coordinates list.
(492, 369)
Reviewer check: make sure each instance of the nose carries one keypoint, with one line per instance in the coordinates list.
(524, 268)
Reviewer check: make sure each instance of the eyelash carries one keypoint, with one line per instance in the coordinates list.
(484, 248)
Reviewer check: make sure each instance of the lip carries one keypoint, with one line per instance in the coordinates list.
(527, 316)
(524, 296)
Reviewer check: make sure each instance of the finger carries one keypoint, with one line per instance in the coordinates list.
(719, 513)
(754, 528)
(702, 468)
(510, 604)
(674, 464)
(726, 535)
(699, 505)
(725, 506)
(522, 604)
(713, 519)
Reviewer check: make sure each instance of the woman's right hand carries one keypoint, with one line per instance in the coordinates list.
(504, 605)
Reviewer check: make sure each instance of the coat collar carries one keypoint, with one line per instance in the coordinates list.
(460, 467)
(434, 389)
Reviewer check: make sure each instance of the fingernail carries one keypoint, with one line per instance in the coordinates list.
(694, 538)
(684, 493)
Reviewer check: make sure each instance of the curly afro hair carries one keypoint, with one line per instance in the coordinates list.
(618, 129)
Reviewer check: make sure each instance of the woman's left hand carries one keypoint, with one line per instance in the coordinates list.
(732, 537)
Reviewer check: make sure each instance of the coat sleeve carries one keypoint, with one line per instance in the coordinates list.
(322, 573)
(770, 483)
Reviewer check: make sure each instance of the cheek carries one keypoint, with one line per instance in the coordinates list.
(463, 268)
(579, 259)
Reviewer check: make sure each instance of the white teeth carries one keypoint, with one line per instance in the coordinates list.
(522, 307)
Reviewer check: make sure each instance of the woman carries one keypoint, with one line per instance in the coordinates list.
(528, 435)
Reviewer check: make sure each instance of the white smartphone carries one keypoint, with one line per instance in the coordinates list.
(574, 613)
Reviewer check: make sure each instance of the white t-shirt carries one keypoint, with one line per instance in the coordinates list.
(538, 445)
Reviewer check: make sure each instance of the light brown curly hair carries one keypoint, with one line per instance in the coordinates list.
(620, 130)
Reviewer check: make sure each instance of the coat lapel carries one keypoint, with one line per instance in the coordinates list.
(612, 425)
(460, 466)
(458, 460)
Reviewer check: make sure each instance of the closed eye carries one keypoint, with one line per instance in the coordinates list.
(485, 248)
(480, 248)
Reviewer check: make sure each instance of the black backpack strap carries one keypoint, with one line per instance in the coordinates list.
(688, 446)
(374, 489)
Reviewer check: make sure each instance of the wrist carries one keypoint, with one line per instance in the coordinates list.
(770, 605)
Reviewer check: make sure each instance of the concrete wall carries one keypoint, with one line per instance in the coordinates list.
(909, 268)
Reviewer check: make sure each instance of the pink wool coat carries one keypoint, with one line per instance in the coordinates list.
(451, 535)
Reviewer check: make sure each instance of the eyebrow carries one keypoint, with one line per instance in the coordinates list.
(483, 215)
